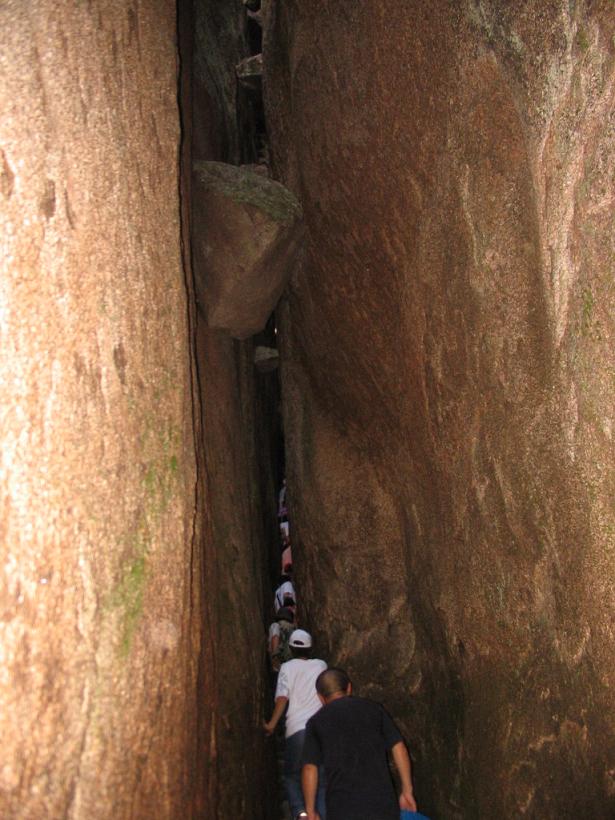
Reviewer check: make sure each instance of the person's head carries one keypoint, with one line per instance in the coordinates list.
(333, 683)
(300, 643)
(285, 614)
(288, 569)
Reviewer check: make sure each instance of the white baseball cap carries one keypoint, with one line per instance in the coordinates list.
(299, 638)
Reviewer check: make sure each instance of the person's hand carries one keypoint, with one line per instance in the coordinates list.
(269, 728)
(407, 801)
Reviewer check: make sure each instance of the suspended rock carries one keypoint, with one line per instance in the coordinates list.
(257, 16)
(257, 168)
(246, 230)
(250, 72)
(266, 358)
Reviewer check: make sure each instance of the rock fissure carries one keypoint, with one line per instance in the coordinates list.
(368, 246)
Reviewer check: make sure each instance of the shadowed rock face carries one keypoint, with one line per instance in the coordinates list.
(218, 29)
(99, 639)
(447, 361)
(239, 418)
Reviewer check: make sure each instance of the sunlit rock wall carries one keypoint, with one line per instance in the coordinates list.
(99, 629)
(448, 360)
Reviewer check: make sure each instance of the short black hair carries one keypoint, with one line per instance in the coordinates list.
(332, 681)
(301, 651)
(284, 613)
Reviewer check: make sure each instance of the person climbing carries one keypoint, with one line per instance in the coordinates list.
(286, 558)
(296, 688)
(282, 508)
(285, 593)
(350, 737)
(279, 635)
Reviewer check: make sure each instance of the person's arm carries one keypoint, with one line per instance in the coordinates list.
(402, 762)
(309, 784)
(278, 711)
(275, 661)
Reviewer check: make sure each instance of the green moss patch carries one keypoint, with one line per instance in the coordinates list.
(159, 484)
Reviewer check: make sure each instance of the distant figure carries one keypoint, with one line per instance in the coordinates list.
(297, 688)
(282, 508)
(285, 593)
(279, 636)
(287, 557)
(350, 737)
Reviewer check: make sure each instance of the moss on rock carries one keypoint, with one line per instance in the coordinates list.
(256, 190)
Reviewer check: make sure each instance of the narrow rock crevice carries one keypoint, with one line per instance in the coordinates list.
(242, 231)
(368, 246)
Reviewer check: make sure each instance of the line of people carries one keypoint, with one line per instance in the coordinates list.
(284, 525)
(336, 744)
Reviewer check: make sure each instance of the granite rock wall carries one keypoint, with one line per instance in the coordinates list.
(99, 630)
(447, 369)
(240, 422)
(138, 458)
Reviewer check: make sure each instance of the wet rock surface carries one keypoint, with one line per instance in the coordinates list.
(100, 586)
(447, 361)
(246, 232)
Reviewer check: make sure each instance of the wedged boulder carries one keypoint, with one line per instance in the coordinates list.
(257, 16)
(266, 359)
(250, 71)
(246, 230)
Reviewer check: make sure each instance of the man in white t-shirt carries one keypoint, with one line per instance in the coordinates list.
(296, 688)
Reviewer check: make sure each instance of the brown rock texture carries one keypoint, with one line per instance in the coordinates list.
(240, 488)
(447, 366)
(219, 31)
(99, 629)
(239, 418)
(246, 232)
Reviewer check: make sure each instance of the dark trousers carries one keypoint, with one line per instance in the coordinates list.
(292, 777)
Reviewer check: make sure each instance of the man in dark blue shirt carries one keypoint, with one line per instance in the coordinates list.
(350, 737)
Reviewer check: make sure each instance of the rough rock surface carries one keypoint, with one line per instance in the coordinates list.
(218, 28)
(99, 629)
(246, 231)
(240, 423)
(240, 487)
(447, 363)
